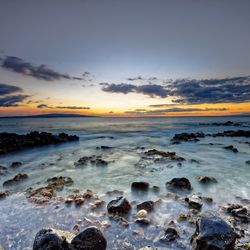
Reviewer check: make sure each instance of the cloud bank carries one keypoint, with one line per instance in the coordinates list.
(190, 91)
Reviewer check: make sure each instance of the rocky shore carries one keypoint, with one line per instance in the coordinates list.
(202, 223)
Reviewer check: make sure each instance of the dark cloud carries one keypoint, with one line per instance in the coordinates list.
(41, 72)
(140, 78)
(41, 106)
(86, 74)
(190, 91)
(12, 100)
(6, 89)
(172, 110)
(225, 90)
(152, 90)
(8, 96)
(71, 107)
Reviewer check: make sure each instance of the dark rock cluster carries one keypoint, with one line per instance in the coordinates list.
(11, 142)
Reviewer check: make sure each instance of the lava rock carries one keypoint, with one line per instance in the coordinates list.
(212, 233)
(140, 186)
(11, 142)
(48, 239)
(231, 148)
(16, 179)
(120, 206)
(179, 183)
(146, 205)
(90, 239)
(170, 234)
(206, 179)
(16, 164)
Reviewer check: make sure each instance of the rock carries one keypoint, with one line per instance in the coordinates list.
(155, 189)
(59, 182)
(213, 233)
(238, 212)
(168, 155)
(11, 142)
(187, 137)
(16, 164)
(16, 179)
(142, 213)
(3, 194)
(231, 148)
(104, 147)
(170, 234)
(119, 206)
(41, 195)
(3, 170)
(50, 239)
(233, 133)
(90, 239)
(182, 217)
(146, 205)
(75, 198)
(248, 162)
(88, 194)
(115, 192)
(140, 186)
(179, 183)
(143, 221)
(206, 179)
(194, 202)
(93, 160)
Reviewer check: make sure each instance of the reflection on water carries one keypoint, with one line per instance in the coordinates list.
(20, 220)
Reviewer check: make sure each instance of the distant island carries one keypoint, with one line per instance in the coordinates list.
(54, 115)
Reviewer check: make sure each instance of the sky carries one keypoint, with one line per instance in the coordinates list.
(125, 57)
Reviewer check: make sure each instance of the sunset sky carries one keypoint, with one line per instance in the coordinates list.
(125, 57)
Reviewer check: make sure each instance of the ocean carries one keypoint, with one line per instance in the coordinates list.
(127, 138)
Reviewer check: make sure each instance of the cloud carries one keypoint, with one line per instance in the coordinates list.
(190, 91)
(12, 100)
(172, 110)
(8, 96)
(41, 72)
(152, 90)
(41, 106)
(140, 78)
(225, 90)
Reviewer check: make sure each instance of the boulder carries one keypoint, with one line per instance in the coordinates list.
(212, 233)
(179, 183)
(16, 179)
(50, 239)
(90, 239)
(140, 186)
(146, 205)
(120, 206)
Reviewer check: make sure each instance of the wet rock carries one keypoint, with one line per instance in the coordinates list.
(77, 199)
(187, 137)
(146, 205)
(120, 206)
(3, 194)
(182, 217)
(140, 186)
(16, 179)
(143, 221)
(233, 133)
(90, 239)
(41, 195)
(231, 148)
(206, 179)
(3, 170)
(104, 147)
(142, 213)
(194, 202)
(248, 162)
(168, 155)
(179, 183)
(213, 233)
(11, 142)
(239, 212)
(92, 160)
(170, 234)
(16, 164)
(50, 239)
(99, 163)
(155, 189)
(59, 182)
(88, 194)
